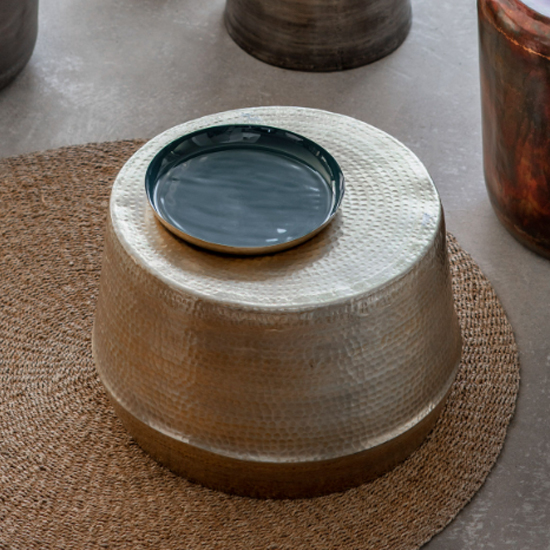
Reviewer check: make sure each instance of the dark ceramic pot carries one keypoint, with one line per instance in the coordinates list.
(515, 88)
(18, 30)
(318, 35)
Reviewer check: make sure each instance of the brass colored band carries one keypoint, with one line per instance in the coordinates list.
(275, 480)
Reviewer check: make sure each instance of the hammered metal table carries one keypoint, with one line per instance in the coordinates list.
(249, 374)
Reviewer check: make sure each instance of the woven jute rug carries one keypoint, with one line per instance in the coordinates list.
(71, 477)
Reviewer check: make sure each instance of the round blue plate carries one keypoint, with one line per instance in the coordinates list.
(244, 189)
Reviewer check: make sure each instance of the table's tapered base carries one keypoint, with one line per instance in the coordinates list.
(275, 480)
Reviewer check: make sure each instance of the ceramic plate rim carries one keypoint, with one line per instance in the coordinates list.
(336, 187)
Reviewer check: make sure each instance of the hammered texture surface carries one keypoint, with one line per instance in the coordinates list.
(322, 351)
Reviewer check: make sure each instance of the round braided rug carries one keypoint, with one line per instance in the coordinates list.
(71, 477)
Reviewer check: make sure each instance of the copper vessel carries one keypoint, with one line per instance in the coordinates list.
(515, 86)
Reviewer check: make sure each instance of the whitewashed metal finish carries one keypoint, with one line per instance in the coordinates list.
(322, 351)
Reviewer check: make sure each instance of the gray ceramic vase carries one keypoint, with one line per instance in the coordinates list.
(18, 31)
(318, 35)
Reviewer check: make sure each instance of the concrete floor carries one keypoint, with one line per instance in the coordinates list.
(106, 70)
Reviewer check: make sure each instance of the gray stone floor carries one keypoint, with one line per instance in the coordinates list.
(105, 70)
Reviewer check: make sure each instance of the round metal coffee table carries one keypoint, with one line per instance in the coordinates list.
(293, 374)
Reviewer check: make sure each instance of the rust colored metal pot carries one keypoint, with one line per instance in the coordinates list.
(318, 35)
(18, 31)
(515, 88)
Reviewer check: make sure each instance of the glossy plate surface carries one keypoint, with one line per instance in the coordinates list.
(244, 189)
